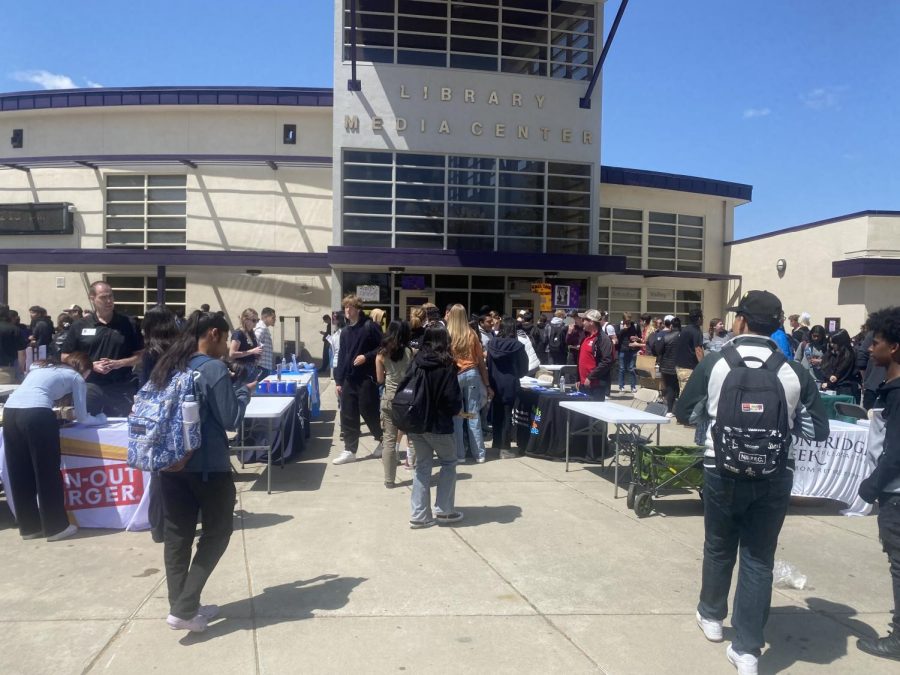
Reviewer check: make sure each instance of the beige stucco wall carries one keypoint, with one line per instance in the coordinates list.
(807, 284)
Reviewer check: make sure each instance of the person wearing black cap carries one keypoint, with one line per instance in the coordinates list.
(746, 492)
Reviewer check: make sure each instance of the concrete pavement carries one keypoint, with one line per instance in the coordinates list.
(547, 573)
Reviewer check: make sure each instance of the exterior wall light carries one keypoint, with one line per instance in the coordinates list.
(781, 266)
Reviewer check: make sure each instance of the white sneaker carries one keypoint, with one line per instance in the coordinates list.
(376, 453)
(746, 664)
(711, 628)
(195, 625)
(344, 458)
(65, 534)
(670, 415)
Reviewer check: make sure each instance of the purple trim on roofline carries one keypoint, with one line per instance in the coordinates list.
(130, 96)
(865, 267)
(67, 257)
(806, 226)
(108, 160)
(708, 276)
(498, 260)
(615, 175)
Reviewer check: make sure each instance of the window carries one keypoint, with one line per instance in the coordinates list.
(136, 294)
(411, 200)
(662, 301)
(146, 211)
(617, 300)
(532, 37)
(674, 242)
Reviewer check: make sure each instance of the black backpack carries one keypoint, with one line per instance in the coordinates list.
(557, 336)
(411, 407)
(751, 435)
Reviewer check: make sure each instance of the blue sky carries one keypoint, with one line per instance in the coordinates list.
(798, 98)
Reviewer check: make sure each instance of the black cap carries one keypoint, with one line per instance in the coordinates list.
(760, 306)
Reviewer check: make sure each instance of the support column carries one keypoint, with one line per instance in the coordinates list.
(160, 284)
(4, 284)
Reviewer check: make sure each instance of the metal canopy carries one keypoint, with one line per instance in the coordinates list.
(186, 159)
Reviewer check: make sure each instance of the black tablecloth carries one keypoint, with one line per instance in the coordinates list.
(296, 428)
(544, 434)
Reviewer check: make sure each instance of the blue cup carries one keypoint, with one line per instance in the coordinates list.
(282, 387)
(292, 388)
(262, 387)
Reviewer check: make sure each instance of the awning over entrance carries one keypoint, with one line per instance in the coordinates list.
(866, 267)
(350, 257)
(706, 276)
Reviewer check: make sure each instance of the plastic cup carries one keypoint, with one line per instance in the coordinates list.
(282, 387)
(291, 388)
(262, 388)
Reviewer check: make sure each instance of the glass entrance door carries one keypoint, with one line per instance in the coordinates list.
(410, 299)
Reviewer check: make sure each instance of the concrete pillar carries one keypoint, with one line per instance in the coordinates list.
(160, 284)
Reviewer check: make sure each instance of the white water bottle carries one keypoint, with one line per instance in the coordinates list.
(190, 417)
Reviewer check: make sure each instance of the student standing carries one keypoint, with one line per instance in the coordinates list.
(263, 334)
(204, 488)
(391, 365)
(31, 440)
(507, 363)
(465, 346)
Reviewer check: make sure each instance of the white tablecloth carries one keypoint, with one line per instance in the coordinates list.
(101, 490)
(834, 468)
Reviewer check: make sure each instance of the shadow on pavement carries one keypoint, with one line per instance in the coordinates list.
(295, 601)
(481, 515)
(298, 477)
(253, 521)
(797, 637)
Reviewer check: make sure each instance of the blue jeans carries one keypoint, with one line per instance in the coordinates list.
(473, 394)
(746, 514)
(427, 445)
(627, 358)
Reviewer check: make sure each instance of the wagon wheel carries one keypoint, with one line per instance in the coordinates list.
(632, 492)
(643, 505)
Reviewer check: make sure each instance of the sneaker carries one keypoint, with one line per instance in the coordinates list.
(34, 535)
(634, 390)
(711, 628)
(376, 453)
(746, 664)
(344, 458)
(452, 517)
(208, 612)
(508, 454)
(195, 625)
(421, 524)
(670, 415)
(479, 460)
(886, 647)
(65, 534)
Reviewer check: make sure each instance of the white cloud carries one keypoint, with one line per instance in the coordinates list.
(93, 85)
(750, 113)
(822, 98)
(45, 79)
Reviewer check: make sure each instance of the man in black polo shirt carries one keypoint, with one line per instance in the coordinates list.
(12, 347)
(115, 347)
(689, 350)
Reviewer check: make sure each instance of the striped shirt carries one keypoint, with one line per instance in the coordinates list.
(264, 338)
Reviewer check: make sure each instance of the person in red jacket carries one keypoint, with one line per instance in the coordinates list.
(595, 357)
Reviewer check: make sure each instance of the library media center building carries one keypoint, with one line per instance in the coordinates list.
(454, 161)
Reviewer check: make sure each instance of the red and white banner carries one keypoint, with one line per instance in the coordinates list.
(101, 490)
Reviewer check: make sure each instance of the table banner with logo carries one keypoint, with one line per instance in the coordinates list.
(101, 490)
(835, 467)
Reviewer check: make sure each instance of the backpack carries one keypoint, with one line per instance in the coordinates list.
(557, 337)
(751, 435)
(160, 438)
(411, 408)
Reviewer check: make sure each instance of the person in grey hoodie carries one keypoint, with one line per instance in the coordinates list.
(204, 487)
(507, 364)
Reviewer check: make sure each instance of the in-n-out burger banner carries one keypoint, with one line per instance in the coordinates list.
(102, 486)
(453, 99)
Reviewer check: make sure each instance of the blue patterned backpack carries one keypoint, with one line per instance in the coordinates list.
(164, 424)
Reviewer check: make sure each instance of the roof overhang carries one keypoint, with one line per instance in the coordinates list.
(865, 267)
(359, 257)
(707, 276)
(185, 159)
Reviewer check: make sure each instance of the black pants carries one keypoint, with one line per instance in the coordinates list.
(597, 393)
(501, 420)
(671, 390)
(31, 440)
(184, 494)
(359, 398)
(113, 400)
(889, 533)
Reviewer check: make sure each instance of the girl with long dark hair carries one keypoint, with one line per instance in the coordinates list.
(839, 366)
(31, 442)
(205, 485)
(391, 364)
(445, 402)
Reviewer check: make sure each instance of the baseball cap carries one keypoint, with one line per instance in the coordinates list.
(668, 317)
(73, 308)
(592, 315)
(761, 306)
